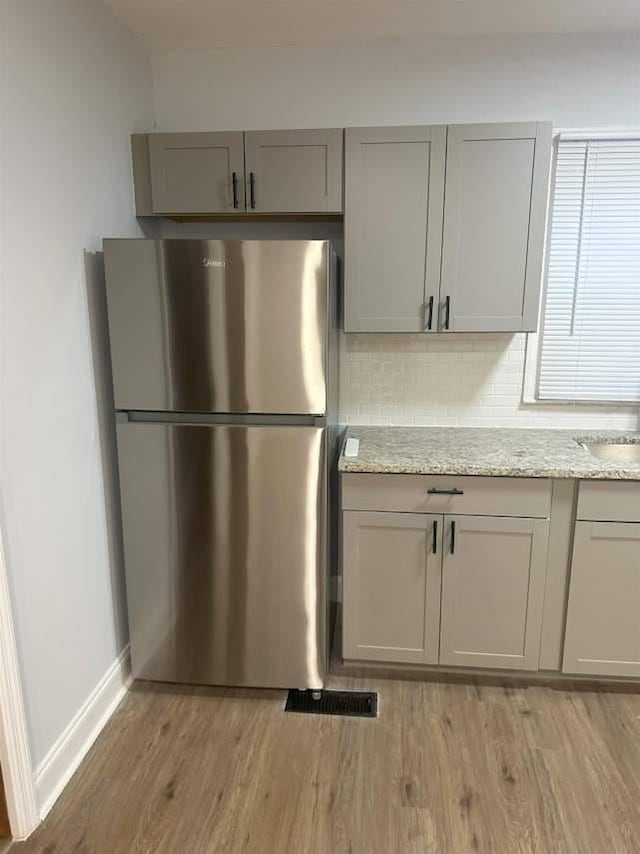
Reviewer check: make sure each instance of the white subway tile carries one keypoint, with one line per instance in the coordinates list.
(473, 380)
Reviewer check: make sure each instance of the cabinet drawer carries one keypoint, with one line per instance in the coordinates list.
(609, 501)
(480, 496)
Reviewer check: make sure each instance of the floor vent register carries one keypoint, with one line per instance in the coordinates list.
(361, 704)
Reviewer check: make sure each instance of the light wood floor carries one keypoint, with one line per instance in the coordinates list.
(446, 768)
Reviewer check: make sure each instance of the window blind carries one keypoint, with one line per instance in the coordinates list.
(590, 342)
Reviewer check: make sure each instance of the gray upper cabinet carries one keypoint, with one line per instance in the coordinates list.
(294, 171)
(493, 577)
(391, 587)
(472, 263)
(494, 220)
(297, 171)
(196, 172)
(423, 252)
(394, 195)
(603, 624)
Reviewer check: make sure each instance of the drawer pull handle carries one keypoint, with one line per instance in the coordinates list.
(453, 537)
(434, 544)
(453, 491)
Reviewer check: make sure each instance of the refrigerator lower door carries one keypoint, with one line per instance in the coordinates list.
(225, 540)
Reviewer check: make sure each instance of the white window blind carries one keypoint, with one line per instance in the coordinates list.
(590, 342)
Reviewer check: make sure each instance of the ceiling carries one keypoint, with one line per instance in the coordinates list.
(184, 24)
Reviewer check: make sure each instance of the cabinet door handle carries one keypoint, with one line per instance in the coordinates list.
(434, 542)
(453, 537)
(447, 312)
(234, 187)
(252, 189)
(436, 491)
(429, 314)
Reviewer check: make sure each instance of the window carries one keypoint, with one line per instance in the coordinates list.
(589, 346)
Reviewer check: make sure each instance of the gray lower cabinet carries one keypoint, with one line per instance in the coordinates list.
(394, 196)
(294, 171)
(494, 222)
(603, 619)
(391, 586)
(195, 172)
(493, 577)
(456, 590)
(429, 579)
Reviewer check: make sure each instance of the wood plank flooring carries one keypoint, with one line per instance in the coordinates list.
(447, 768)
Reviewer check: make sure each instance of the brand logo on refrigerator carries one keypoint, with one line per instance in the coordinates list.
(213, 262)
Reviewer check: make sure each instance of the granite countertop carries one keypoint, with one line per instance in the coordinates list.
(485, 451)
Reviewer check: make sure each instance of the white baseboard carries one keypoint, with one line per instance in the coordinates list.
(15, 752)
(56, 769)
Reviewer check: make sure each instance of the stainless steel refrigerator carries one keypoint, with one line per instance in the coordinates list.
(225, 373)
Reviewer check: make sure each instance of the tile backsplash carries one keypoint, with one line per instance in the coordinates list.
(457, 379)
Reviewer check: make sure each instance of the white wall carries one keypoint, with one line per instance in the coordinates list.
(581, 80)
(575, 80)
(73, 84)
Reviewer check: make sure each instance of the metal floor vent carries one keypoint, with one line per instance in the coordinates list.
(361, 704)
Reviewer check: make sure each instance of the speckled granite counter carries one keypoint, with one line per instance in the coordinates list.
(489, 451)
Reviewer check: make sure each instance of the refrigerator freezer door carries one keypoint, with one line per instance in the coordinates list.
(224, 531)
(218, 326)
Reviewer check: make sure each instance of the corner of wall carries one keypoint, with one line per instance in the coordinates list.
(67, 753)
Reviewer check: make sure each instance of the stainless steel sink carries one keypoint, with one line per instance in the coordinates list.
(614, 452)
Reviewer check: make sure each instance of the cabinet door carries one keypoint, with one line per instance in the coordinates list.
(294, 171)
(391, 586)
(196, 172)
(496, 199)
(603, 618)
(394, 195)
(493, 576)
